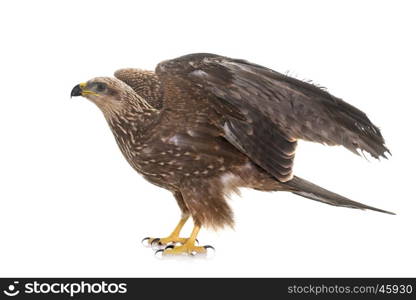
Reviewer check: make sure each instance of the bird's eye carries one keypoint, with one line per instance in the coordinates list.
(100, 87)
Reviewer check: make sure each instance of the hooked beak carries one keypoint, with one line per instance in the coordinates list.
(76, 91)
(81, 90)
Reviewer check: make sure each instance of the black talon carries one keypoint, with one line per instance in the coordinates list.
(209, 247)
(209, 254)
(170, 247)
(146, 239)
(159, 252)
(155, 244)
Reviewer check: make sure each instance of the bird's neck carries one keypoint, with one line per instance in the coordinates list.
(132, 121)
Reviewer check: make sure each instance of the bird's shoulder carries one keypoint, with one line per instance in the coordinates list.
(145, 83)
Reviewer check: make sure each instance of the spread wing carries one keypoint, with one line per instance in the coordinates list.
(145, 83)
(276, 110)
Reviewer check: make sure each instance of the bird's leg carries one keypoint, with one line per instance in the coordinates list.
(174, 236)
(171, 239)
(188, 247)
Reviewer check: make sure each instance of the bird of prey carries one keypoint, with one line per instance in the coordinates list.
(204, 125)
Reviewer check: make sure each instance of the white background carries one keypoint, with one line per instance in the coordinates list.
(70, 204)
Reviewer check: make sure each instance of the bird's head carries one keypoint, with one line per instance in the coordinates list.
(100, 90)
(109, 94)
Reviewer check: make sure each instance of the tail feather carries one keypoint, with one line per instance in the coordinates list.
(311, 191)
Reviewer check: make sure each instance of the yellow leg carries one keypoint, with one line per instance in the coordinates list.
(189, 246)
(172, 238)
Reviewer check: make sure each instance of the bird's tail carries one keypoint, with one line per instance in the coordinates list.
(309, 190)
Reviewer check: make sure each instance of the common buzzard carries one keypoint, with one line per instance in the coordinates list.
(204, 125)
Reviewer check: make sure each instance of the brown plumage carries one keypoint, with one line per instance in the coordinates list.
(145, 83)
(204, 125)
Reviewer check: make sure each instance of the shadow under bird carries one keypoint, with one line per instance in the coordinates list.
(204, 125)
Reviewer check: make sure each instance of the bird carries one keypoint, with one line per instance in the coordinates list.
(204, 125)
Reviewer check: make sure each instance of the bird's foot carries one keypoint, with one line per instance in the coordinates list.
(162, 243)
(188, 248)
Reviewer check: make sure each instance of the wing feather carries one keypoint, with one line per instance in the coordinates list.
(271, 111)
(303, 110)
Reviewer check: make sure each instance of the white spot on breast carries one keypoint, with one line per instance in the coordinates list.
(147, 150)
